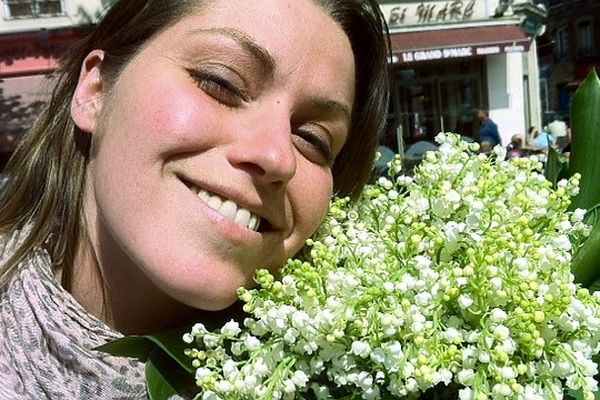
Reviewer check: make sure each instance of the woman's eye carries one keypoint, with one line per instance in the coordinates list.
(218, 87)
(314, 146)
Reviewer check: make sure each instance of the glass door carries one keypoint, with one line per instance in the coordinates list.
(459, 98)
(435, 97)
(418, 109)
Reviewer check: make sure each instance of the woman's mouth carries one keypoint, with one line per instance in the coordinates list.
(228, 209)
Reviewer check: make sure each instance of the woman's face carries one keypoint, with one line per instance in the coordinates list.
(214, 147)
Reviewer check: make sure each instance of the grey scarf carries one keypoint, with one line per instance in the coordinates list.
(47, 341)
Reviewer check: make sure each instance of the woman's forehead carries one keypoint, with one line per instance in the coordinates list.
(298, 33)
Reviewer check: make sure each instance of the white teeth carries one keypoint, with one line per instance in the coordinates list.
(229, 209)
(254, 222)
(214, 202)
(203, 194)
(242, 217)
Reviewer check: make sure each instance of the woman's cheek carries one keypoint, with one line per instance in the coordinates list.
(173, 117)
(311, 199)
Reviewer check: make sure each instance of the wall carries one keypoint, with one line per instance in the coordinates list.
(533, 106)
(76, 12)
(506, 94)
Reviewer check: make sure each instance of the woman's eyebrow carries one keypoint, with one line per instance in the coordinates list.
(267, 63)
(262, 55)
(331, 107)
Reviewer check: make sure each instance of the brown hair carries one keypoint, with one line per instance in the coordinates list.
(44, 192)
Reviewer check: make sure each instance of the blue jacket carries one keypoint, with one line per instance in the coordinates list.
(488, 132)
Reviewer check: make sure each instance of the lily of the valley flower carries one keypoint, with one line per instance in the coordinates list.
(460, 273)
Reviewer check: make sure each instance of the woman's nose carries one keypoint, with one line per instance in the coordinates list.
(264, 149)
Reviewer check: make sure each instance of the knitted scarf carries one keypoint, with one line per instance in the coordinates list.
(47, 341)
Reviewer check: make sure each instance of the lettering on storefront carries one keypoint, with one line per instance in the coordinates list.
(514, 49)
(456, 52)
(434, 12)
(484, 51)
(437, 54)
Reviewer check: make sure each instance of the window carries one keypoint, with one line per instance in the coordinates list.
(562, 43)
(585, 41)
(32, 8)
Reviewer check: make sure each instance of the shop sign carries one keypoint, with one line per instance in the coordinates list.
(433, 12)
(457, 52)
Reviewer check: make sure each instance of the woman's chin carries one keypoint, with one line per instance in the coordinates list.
(216, 298)
(207, 288)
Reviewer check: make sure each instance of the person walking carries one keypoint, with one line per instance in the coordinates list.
(488, 131)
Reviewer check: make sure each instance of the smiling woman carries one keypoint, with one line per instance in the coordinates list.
(187, 143)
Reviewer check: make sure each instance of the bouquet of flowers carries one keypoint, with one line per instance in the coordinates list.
(459, 274)
(455, 282)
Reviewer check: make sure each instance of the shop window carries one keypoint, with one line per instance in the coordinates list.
(585, 39)
(562, 43)
(15, 9)
(437, 97)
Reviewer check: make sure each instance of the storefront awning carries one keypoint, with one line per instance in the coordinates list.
(411, 47)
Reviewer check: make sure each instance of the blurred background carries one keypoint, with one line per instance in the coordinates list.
(520, 61)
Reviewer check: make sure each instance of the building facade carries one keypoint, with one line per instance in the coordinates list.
(451, 58)
(568, 50)
(34, 34)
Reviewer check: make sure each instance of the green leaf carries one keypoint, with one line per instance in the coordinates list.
(585, 147)
(140, 347)
(585, 262)
(585, 141)
(594, 287)
(165, 378)
(556, 167)
(168, 370)
(159, 387)
(172, 344)
(574, 395)
(592, 216)
(129, 346)
(578, 395)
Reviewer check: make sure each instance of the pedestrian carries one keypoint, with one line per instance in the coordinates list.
(187, 143)
(488, 131)
(515, 147)
(542, 140)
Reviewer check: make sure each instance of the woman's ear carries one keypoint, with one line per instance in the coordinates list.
(87, 98)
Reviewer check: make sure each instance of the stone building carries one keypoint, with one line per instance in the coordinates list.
(568, 50)
(451, 58)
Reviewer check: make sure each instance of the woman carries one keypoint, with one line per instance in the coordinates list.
(187, 143)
